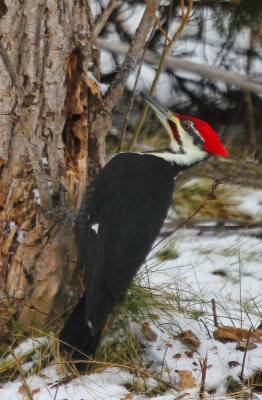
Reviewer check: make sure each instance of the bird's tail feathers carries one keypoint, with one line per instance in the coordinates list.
(77, 338)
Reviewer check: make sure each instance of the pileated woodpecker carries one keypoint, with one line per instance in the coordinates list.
(121, 215)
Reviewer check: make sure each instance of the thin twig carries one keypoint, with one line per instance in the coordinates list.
(158, 73)
(28, 391)
(214, 313)
(102, 20)
(248, 316)
(56, 392)
(205, 325)
(163, 362)
(240, 288)
(115, 91)
(182, 8)
(203, 379)
(64, 381)
(130, 105)
(158, 22)
(211, 196)
(244, 357)
(251, 384)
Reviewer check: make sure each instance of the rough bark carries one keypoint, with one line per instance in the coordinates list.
(45, 139)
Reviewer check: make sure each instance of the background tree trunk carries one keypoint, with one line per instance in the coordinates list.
(46, 120)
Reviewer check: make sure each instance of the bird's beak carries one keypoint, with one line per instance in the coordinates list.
(161, 112)
(164, 115)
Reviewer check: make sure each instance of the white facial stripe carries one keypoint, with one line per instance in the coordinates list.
(198, 134)
(183, 153)
(192, 153)
(191, 156)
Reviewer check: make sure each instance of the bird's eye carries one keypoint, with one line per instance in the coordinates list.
(186, 124)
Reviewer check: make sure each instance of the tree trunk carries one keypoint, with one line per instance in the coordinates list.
(49, 101)
(53, 127)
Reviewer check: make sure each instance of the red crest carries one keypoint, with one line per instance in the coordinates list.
(211, 139)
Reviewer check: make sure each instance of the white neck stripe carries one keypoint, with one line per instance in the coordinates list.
(191, 156)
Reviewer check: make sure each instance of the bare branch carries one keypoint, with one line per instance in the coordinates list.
(160, 68)
(244, 357)
(214, 312)
(102, 20)
(211, 196)
(203, 378)
(133, 53)
(133, 94)
(206, 71)
(157, 21)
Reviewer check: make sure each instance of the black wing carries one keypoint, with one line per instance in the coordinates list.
(121, 216)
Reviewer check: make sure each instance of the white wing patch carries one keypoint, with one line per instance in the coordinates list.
(89, 324)
(95, 227)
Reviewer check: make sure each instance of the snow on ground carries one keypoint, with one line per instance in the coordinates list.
(223, 267)
(252, 202)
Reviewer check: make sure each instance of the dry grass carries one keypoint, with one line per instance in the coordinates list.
(189, 195)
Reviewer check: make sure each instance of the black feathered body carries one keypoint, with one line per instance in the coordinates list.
(121, 215)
